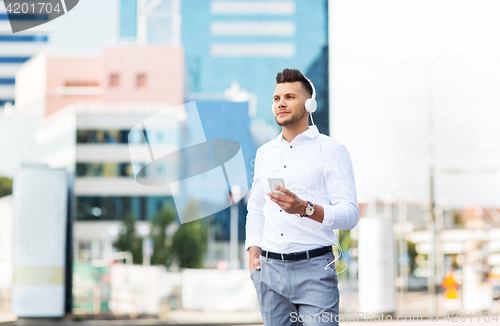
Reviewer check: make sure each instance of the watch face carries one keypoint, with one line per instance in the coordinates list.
(309, 210)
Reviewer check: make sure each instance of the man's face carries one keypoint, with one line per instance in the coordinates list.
(288, 103)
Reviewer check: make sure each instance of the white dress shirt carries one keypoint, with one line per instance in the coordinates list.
(316, 168)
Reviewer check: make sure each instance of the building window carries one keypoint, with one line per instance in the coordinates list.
(13, 59)
(24, 38)
(105, 170)
(83, 252)
(143, 208)
(7, 81)
(167, 136)
(114, 80)
(141, 81)
(81, 83)
(4, 102)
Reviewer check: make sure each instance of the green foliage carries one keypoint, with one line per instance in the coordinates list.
(5, 186)
(456, 218)
(412, 252)
(128, 240)
(345, 239)
(189, 244)
(162, 251)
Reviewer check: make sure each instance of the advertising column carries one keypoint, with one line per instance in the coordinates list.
(40, 210)
(377, 291)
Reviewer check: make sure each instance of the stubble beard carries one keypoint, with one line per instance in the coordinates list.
(292, 119)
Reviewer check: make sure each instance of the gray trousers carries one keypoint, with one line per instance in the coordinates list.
(297, 292)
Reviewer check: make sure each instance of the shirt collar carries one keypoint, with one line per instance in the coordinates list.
(310, 133)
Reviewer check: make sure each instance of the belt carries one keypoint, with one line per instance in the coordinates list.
(297, 255)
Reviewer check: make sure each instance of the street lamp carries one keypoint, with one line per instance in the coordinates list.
(233, 241)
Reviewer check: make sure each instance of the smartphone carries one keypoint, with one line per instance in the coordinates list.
(273, 182)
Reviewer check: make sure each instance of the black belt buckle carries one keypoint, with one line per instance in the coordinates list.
(290, 256)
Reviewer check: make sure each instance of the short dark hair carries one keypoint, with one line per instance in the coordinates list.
(290, 75)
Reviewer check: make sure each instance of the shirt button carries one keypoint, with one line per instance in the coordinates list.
(282, 234)
(290, 146)
(281, 210)
(285, 166)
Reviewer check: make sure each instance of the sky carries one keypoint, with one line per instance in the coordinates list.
(386, 58)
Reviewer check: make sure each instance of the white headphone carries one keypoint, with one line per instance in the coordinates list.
(311, 104)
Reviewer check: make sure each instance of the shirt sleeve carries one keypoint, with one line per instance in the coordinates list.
(343, 211)
(255, 217)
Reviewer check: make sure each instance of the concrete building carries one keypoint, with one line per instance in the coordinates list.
(120, 74)
(76, 113)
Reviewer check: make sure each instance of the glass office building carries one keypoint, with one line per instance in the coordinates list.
(248, 42)
(162, 21)
(243, 42)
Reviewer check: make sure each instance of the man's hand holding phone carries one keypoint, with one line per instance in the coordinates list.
(286, 199)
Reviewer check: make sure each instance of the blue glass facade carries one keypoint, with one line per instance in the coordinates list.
(128, 19)
(229, 120)
(212, 70)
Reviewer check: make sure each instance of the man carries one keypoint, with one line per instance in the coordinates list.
(289, 237)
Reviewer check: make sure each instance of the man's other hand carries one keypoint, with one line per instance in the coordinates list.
(254, 258)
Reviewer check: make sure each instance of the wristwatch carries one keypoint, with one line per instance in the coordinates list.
(309, 210)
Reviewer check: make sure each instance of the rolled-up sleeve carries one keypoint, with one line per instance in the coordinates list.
(343, 211)
(255, 217)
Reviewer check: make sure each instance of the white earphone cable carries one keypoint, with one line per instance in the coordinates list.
(335, 242)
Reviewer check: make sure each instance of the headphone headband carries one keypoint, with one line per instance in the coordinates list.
(311, 104)
(313, 96)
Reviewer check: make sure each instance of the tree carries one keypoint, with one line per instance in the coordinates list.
(189, 244)
(412, 252)
(128, 240)
(162, 252)
(345, 243)
(5, 186)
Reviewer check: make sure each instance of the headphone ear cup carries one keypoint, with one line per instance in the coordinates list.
(311, 105)
(308, 105)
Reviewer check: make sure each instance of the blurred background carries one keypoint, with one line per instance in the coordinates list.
(409, 87)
